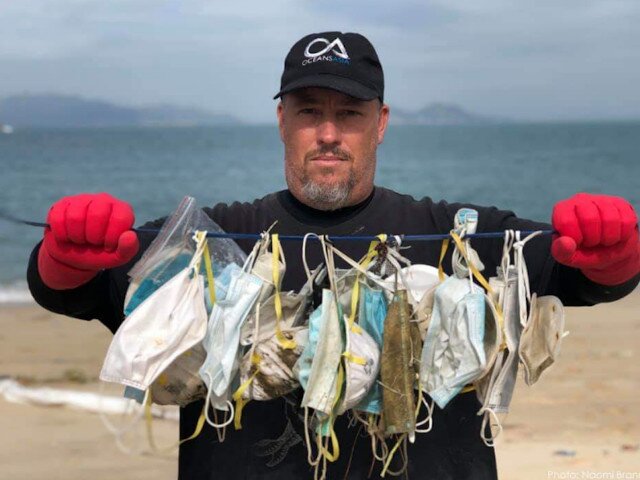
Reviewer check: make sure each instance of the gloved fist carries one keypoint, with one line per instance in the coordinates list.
(598, 234)
(86, 233)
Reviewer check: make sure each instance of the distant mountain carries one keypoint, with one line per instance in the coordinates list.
(441, 114)
(70, 111)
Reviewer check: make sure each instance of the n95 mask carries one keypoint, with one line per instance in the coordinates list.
(267, 369)
(362, 363)
(166, 324)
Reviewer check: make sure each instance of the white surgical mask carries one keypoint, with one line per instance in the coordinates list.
(166, 324)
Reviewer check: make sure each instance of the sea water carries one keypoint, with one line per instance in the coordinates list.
(525, 168)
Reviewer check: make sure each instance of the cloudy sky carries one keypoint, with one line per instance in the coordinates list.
(543, 59)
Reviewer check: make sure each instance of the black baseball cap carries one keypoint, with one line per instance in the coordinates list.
(346, 62)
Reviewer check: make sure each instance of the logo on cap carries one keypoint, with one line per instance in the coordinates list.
(339, 53)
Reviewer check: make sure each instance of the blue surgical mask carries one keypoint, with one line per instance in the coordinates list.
(222, 339)
(302, 368)
(371, 314)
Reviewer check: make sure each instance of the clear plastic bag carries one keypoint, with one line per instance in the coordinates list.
(172, 249)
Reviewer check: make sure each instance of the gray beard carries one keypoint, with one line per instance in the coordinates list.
(330, 197)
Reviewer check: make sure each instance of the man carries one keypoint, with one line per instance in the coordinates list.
(331, 118)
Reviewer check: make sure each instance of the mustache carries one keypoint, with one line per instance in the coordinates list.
(334, 151)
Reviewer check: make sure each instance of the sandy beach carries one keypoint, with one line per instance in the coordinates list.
(581, 421)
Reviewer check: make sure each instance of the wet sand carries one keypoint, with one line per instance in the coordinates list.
(581, 421)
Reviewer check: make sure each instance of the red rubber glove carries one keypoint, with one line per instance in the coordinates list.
(86, 233)
(599, 236)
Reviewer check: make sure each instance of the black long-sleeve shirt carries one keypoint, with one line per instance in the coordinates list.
(452, 450)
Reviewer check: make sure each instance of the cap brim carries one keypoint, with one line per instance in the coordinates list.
(341, 84)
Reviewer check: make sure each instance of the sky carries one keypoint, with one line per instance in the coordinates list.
(526, 60)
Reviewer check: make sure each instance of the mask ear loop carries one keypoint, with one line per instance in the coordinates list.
(117, 432)
(207, 402)
(524, 290)
(402, 439)
(490, 441)
(307, 440)
(305, 264)
(429, 418)
(162, 451)
(359, 267)
(395, 259)
(377, 439)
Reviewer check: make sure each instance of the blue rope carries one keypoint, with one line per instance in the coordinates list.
(358, 238)
(355, 238)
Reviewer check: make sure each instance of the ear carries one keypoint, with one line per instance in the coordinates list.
(280, 114)
(383, 120)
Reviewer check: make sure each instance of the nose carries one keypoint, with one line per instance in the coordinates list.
(328, 132)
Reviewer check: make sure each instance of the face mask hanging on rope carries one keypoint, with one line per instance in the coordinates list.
(294, 307)
(223, 334)
(399, 367)
(371, 314)
(165, 325)
(495, 390)
(361, 357)
(542, 337)
(321, 373)
(267, 369)
(453, 354)
(364, 333)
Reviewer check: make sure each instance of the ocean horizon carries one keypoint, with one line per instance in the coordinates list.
(525, 167)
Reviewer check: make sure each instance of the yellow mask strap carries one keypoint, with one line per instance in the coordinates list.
(275, 264)
(443, 252)
(355, 293)
(149, 427)
(354, 358)
(209, 270)
(237, 395)
(392, 454)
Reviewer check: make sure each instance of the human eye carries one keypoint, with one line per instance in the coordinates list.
(350, 113)
(307, 111)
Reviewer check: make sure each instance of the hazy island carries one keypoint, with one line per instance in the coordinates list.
(68, 111)
(46, 110)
